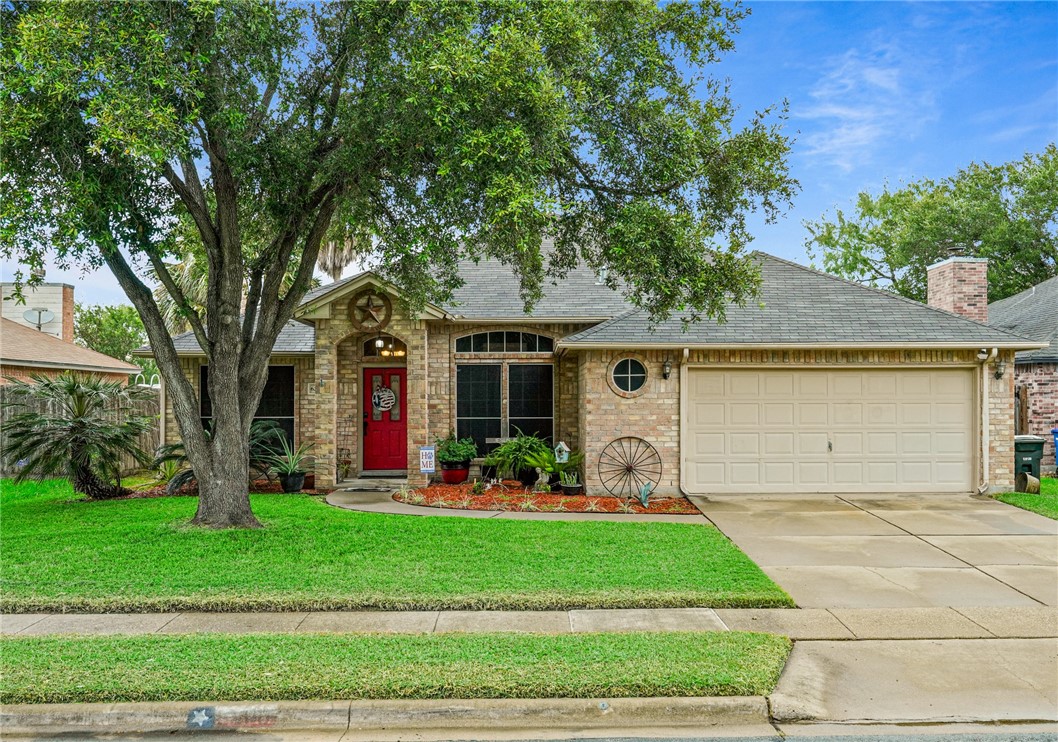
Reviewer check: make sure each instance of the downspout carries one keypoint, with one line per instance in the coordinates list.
(986, 443)
(683, 417)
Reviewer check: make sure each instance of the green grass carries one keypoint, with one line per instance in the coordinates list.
(139, 555)
(1045, 503)
(346, 666)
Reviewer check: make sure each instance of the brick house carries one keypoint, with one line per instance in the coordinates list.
(825, 386)
(1034, 314)
(26, 351)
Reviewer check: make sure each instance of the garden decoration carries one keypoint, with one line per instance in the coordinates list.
(543, 481)
(644, 493)
(626, 464)
(562, 452)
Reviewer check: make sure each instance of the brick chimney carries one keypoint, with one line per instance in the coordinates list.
(959, 285)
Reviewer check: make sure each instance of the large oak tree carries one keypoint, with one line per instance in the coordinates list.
(432, 131)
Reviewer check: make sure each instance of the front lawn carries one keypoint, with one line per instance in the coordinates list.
(1045, 503)
(346, 666)
(139, 555)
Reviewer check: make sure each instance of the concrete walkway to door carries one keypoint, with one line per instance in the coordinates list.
(903, 551)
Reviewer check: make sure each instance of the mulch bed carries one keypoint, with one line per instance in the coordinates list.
(259, 487)
(512, 495)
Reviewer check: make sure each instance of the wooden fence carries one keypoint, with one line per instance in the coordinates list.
(148, 440)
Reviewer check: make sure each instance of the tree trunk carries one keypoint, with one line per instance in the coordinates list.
(223, 491)
(224, 500)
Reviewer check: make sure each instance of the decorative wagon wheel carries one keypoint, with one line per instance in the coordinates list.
(626, 464)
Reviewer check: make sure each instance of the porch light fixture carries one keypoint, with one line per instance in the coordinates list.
(666, 369)
(379, 342)
(1001, 367)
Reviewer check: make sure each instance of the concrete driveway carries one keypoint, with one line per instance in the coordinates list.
(895, 551)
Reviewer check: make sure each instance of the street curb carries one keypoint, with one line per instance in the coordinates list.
(391, 716)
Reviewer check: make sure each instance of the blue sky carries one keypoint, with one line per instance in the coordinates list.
(887, 92)
(878, 91)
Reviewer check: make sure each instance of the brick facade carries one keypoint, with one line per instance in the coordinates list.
(655, 414)
(589, 413)
(338, 368)
(23, 373)
(304, 394)
(960, 286)
(1040, 382)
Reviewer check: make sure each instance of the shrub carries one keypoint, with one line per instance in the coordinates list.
(514, 456)
(89, 426)
(264, 436)
(452, 450)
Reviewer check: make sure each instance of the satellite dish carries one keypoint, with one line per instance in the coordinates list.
(38, 316)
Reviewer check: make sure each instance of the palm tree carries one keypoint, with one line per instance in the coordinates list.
(76, 426)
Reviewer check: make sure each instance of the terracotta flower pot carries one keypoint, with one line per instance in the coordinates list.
(455, 472)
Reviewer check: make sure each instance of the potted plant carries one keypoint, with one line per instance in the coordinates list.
(289, 465)
(514, 458)
(454, 455)
(547, 462)
(571, 484)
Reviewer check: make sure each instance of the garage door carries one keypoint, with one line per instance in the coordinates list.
(829, 431)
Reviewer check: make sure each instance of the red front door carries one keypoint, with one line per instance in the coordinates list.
(385, 419)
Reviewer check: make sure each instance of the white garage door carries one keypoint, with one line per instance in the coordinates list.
(775, 431)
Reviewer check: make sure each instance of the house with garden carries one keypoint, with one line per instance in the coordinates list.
(1034, 314)
(823, 386)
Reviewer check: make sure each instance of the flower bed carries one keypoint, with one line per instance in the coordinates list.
(259, 487)
(511, 495)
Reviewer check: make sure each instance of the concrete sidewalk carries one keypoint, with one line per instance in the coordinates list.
(842, 624)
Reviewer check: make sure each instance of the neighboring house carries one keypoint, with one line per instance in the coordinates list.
(26, 351)
(827, 386)
(1034, 314)
(48, 307)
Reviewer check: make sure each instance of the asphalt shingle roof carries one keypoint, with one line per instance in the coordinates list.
(296, 337)
(1034, 314)
(490, 291)
(802, 306)
(24, 346)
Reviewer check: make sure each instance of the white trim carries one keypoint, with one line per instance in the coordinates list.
(1025, 345)
(71, 366)
(956, 259)
(522, 320)
(319, 307)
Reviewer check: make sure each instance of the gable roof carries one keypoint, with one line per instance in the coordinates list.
(1034, 314)
(803, 307)
(24, 346)
(295, 339)
(490, 292)
(316, 304)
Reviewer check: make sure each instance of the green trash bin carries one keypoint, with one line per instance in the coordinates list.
(1028, 452)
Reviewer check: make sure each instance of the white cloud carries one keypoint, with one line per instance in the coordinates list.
(863, 98)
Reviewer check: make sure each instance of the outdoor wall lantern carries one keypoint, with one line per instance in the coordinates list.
(1001, 367)
(379, 342)
(666, 369)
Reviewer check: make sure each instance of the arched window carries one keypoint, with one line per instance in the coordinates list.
(505, 342)
(384, 346)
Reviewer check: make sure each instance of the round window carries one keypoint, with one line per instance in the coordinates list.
(629, 375)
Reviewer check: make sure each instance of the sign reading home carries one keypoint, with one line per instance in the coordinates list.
(427, 460)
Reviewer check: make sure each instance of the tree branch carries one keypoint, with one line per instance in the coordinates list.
(196, 206)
